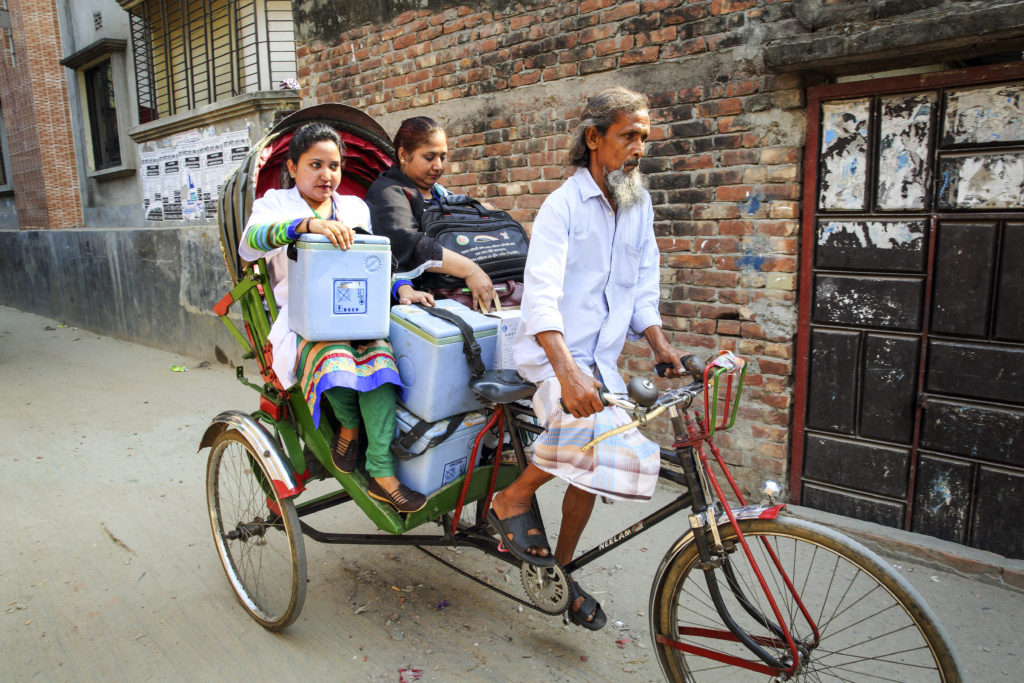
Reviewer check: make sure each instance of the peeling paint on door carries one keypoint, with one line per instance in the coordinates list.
(979, 115)
(877, 234)
(872, 245)
(903, 151)
(982, 181)
(844, 147)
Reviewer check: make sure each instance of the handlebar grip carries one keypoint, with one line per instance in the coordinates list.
(600, 393)
(692, 364)
(695, 366)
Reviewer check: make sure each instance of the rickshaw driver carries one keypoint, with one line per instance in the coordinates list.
(592, 280)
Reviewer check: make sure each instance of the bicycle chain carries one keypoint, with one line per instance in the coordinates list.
(483, 583)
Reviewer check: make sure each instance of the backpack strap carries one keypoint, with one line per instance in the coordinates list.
(470, 346)
(400, 445)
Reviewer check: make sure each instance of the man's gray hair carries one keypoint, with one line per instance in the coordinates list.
(601, 111)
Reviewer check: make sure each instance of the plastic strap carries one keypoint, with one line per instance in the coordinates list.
(401, 445)
(470, 346)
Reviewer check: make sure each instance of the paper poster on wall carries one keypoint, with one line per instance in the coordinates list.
(182, 182)
(161, 185)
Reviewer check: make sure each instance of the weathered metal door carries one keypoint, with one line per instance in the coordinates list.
(910, 376)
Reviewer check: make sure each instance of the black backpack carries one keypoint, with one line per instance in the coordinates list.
(491, 239)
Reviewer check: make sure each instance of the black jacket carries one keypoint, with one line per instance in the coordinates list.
(396, 208)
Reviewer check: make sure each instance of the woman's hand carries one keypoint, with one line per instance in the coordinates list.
(408, 295)
(337, 232)
(481, 287)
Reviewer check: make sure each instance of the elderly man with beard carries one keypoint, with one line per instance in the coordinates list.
(592, 281)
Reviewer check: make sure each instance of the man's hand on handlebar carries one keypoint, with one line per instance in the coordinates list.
(580, 394)
(671, 360)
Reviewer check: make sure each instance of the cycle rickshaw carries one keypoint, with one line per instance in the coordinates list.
(746, 592)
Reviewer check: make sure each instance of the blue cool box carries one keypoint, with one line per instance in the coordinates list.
(431, 468)
(340, 295)
(431, 362)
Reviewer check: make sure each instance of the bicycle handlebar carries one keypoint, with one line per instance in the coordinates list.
(692, 364)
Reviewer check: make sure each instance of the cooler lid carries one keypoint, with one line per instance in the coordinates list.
(439, 331)
(308, 240)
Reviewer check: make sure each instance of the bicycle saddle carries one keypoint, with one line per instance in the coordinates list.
(502, 386)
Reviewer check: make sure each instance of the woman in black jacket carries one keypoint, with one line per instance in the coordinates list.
(398, 197)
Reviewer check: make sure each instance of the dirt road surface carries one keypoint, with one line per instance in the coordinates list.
(109, 573)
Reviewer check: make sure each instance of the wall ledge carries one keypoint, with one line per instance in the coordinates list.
(241, 105)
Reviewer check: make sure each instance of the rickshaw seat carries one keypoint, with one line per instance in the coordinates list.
(502, 386)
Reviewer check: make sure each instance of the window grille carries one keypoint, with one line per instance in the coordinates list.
(189, 53)
(99, 91)
(4, 180)
(7, 41)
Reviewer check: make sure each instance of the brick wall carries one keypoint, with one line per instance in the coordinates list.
(44, 172)
(723, 160)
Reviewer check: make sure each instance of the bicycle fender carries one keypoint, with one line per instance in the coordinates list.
(286, 484)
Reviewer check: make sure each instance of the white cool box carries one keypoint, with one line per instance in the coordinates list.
(436, 376)
(431, 468)
(336, 295)
(434, 369)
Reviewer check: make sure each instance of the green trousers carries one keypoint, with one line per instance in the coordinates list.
(377, 408)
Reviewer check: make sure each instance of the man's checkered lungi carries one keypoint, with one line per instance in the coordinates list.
(624, 466)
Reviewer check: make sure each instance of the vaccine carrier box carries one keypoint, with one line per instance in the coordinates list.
(340, 294)
(428, 469)
(434, 370)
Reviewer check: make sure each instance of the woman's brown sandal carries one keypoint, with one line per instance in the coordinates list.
(344, 453)
(403, 498)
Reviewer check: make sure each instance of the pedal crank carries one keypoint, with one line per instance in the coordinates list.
(547, 587)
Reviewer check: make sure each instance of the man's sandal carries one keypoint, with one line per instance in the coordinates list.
(345, 453)
(519, 527)
(588, 608)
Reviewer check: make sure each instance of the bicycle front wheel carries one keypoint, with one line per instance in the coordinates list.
(866, 623)
(257, 534)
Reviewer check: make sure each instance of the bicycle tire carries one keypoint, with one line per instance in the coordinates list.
(873, 623)
(262, 553)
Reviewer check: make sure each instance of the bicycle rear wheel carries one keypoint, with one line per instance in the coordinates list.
(257, 534)
(873, 625)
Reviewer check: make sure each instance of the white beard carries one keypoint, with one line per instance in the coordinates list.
(627, 187)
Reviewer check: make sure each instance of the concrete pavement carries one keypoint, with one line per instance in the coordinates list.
(109, 571)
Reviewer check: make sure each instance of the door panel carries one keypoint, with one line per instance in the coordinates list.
(976, 371)
(871, 245)
(833, 397)
(860, 507)
(1010, 301)
(868, 301)
(998, 511)
(942, 498)
(890, 387)
(965, 259)
(973, 431)
(858, 465)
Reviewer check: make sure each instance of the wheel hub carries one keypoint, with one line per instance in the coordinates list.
(244, 531)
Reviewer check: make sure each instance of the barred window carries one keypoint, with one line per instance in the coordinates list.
(4, 178)
(102, 115)
(189, 53)
(7, 45)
